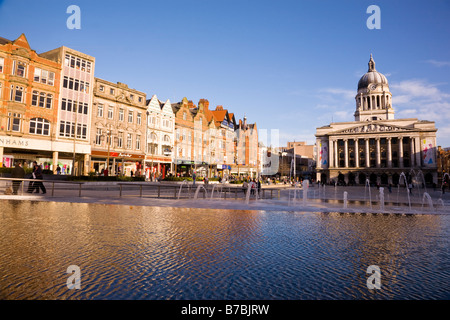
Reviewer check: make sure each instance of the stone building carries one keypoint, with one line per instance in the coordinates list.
(376, 146)
(247, 153)
(29, 95)
(74, 108)
(118, 130)
(160, 138)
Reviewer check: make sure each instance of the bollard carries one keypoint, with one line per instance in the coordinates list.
(159, 191)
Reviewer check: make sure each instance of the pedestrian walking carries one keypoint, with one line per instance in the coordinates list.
(259, 186)
(18, 173)
(38, 176)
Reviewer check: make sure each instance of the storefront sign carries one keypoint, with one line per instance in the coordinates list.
(13, 142)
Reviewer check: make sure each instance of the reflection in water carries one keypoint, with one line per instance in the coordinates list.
(132, 252)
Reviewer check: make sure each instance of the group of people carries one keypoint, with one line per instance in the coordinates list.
(254, 186)
(19, 173)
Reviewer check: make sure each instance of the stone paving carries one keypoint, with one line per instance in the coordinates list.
(284, 198)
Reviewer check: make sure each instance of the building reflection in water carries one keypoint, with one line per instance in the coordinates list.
(135, 252)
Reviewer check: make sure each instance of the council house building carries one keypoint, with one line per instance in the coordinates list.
(376, 146)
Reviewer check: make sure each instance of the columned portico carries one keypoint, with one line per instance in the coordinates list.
(375, 145)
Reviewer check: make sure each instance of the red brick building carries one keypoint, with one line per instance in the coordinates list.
(29, 94)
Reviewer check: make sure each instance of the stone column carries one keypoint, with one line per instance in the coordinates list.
(389, 153)
(330, 153)
(336, 154)
(411, 142)
(318, 162)
(55, 161)
(87, 164)
(418, 152)
(356, 153)
(346, 152)
(113, 167)
(378, 152)
(367, 153)
(400, 152)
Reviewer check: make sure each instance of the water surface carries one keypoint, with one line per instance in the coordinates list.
(135, 252)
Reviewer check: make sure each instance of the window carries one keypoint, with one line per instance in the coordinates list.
(110, 112)
(140, 99)
(101, 88)
(98, 137)
(67, 60)
(19, 68)
(2, 62)
(42, 99)
(100, 111)
(111, 91)
(17, 94)
(121, 114)
(14, 122)
(130, 116)
(120, 140)
(88, 67)
(184, 115)
(131, 97)
(40, 126)
(167, 139)
(129, 141)
(138, 142)
(34, 98)
(43, 76)
(138, 118)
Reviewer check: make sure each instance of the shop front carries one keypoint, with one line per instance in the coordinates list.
(48, 154)
(157, 167)
(120, 163)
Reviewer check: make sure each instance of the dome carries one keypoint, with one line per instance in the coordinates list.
(372, 76)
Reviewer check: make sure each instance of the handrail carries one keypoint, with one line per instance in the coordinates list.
(46, 181)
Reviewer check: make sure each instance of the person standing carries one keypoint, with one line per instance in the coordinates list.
(18, 173)
(58, 169)
(38, 176)
(259, 187)
(194, 176)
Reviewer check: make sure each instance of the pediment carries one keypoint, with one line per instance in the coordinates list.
(372, 127)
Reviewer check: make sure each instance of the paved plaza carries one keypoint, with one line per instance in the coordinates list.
(227, 196)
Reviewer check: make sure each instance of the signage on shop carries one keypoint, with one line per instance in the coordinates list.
(13, 142)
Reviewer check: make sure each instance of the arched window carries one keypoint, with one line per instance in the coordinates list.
(40, 126)
(166, 139)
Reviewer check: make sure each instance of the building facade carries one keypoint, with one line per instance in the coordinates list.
(376, 147)
(247, 153)
(118, 130)
(29, 95)
(74, 109)
(160, 138)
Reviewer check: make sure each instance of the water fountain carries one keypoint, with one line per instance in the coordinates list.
(367, 184)
(305, 191)
(441, 202)
(247, 196)
(430, 201)
(345, 199)
(381, 199)
(402, 175)
(181, 186)
(219, 185)
(198, 189)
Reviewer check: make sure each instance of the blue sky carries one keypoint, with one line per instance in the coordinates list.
(287, 65)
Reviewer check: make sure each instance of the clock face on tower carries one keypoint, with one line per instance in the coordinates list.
(372, 86)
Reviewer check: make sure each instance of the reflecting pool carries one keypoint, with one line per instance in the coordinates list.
(137, 252)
